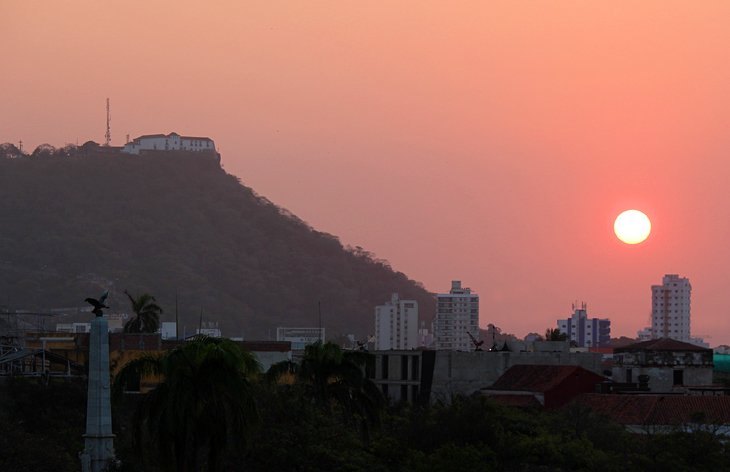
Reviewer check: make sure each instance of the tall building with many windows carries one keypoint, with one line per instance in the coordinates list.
(584, 331)
(670, 308)
(396, 324)
(457, 316)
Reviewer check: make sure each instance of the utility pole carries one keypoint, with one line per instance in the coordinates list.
(177, 319)
(319, 309)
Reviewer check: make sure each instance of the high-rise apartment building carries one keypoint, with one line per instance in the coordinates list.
(396, 324)
(457, 316)
(584, 331)
(670, 308)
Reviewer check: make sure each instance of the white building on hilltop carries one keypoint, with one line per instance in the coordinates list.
(169, 142)
(396, 324)
(670, 308)
(457, 316)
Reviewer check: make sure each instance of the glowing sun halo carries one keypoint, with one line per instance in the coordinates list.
(632, 226)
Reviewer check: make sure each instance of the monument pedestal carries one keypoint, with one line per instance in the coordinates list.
(99, 440)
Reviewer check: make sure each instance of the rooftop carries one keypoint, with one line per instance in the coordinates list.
(661, 344)
(539, 378)
(660, 409)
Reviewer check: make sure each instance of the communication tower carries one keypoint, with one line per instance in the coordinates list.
(108, 135)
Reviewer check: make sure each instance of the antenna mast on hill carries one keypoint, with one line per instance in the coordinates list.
(108, 135)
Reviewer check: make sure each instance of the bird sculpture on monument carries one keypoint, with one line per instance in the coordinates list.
(477, 344)
(98, 304)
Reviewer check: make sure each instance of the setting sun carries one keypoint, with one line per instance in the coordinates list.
(632, 226)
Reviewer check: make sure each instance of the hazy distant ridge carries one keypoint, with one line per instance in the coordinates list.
(176, 222)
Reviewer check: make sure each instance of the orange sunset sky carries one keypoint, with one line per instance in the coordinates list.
(493, 142)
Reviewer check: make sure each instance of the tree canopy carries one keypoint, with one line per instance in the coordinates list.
(203, 407)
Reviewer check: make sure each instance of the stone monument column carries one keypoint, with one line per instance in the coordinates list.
(99, 449)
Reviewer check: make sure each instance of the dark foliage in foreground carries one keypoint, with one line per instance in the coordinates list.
(42, 427)
(78, 220)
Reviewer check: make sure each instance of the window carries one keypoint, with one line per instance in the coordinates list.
(629, 376)
(384, 367)
(414, 368)
(678, 377)
(404, 393)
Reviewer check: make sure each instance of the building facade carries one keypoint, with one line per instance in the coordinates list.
(440, 376)
(457, 316)
(584, 331)
(169, 142)
(670, 308)
(665, 365)
(396, 324)
(300, 337)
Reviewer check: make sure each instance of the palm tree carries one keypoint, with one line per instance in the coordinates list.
(336, 376)
(147, 314)
(202, 409)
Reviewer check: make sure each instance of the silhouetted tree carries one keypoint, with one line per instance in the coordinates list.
(554, 334)
(334, 375)
(44, 150)
(146, 314)
(10, 151)
(202, 409)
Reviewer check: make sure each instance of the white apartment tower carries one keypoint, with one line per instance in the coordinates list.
(457, 316)
(396, 324)
(584, 331)
(670, 308)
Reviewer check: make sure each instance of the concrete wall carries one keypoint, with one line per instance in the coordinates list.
(661, 379)
(464, 373)
(696, 368)
(269, 358)
(459, 373)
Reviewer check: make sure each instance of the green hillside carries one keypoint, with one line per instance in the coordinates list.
(76, 221)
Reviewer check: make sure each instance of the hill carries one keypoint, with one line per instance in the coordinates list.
(79, 220)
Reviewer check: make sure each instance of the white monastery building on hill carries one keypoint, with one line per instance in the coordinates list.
(169, 142)
(457, 316)
(396, 324)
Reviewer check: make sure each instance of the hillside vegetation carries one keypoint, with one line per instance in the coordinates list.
(76, 221)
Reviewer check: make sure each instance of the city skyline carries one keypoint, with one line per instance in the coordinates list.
(502, 139)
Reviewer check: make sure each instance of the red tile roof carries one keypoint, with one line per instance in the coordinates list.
(661, 344)
(538, 378)
(660, 409)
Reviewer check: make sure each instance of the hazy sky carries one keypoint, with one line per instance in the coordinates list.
(492, 142)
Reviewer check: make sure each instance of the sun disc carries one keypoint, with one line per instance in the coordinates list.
(632, 227)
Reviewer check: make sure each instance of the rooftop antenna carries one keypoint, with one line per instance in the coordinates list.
(108, 135)
(21, 146)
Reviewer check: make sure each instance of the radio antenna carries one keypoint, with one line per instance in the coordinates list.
(108, 135)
